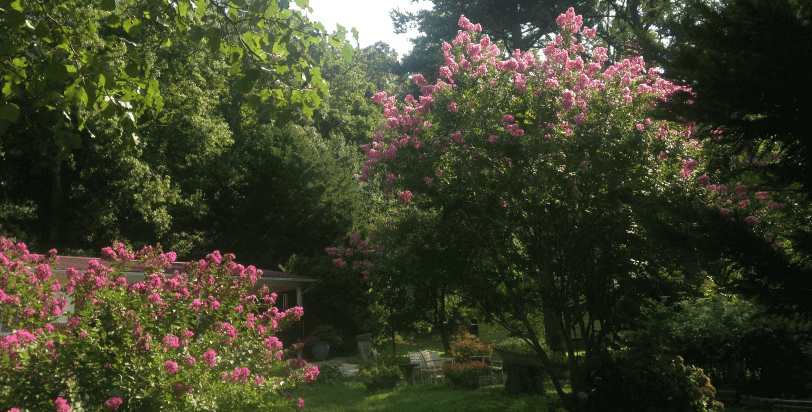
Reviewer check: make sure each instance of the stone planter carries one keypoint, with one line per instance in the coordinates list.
(523, 372)
(321, 350)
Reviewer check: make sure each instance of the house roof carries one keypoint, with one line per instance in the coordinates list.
(81, 263)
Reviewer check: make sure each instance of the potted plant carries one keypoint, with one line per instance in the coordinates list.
(320, 340)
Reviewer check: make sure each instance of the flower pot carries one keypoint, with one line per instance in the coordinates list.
(320, 350)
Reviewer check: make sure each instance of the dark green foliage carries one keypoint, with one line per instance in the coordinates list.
(741, 60)
(638, 380)
(380, 377)
(732, 340)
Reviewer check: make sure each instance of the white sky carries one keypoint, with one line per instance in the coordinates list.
(369, 17)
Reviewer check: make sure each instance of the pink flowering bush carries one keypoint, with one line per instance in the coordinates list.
(201, 340)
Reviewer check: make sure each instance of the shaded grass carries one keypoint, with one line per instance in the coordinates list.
(421, 398)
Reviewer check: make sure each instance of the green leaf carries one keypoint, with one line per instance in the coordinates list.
(16, 5)
(245, 83)
(214, 36)
(90, 26)
(201, 7)
(253, 100)
(108, 5)
(346, 53)
(113, 21)
(76, 93)
(10, 112)
(132, 70)
(14, 18)
(196, 33)
(132, 26)
(354, 34)
(304, 4)
(56, 71)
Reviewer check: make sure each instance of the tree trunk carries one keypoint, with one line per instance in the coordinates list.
(56, 200)
(552, 330)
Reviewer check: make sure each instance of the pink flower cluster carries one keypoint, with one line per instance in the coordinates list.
(113, 403)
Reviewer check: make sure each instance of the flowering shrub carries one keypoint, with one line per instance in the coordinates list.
(466, 374)
(201, 340)
(469, 345)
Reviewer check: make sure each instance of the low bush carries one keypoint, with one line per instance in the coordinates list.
(330, 373)
(466, 375)
(380, 377)
(729, 337)
(467, 346)
(630, 380)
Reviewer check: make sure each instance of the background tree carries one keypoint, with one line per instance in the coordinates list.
(733, 54)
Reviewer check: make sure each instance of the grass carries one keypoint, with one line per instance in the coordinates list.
(421, 398)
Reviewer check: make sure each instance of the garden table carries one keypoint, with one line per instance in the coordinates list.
(408, 371)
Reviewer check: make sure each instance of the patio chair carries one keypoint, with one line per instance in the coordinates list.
(435, 357)
(497, 367)
(417, 357)
(433, 368)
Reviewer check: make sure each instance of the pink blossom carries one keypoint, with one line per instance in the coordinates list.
(419, 79)
(688, 166)
(428, 180)
(751, 220)
(452, 107)
(170, 367)
(703, 180)
(405, 196)
(113, 403)
(762, 195)
(551, 83)
(61, 405)
(515, 130)
(170, 341)
(741, 192)
(379, 97)
(209, 358)
(493, 138)
(300, 403)
(569, 99)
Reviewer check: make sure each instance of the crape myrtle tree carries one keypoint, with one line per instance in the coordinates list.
(537, 168)
(731, 53)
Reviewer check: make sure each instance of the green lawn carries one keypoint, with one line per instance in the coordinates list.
(420, 398)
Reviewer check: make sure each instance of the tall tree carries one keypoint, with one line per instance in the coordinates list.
(539, 171)
(739, 58)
